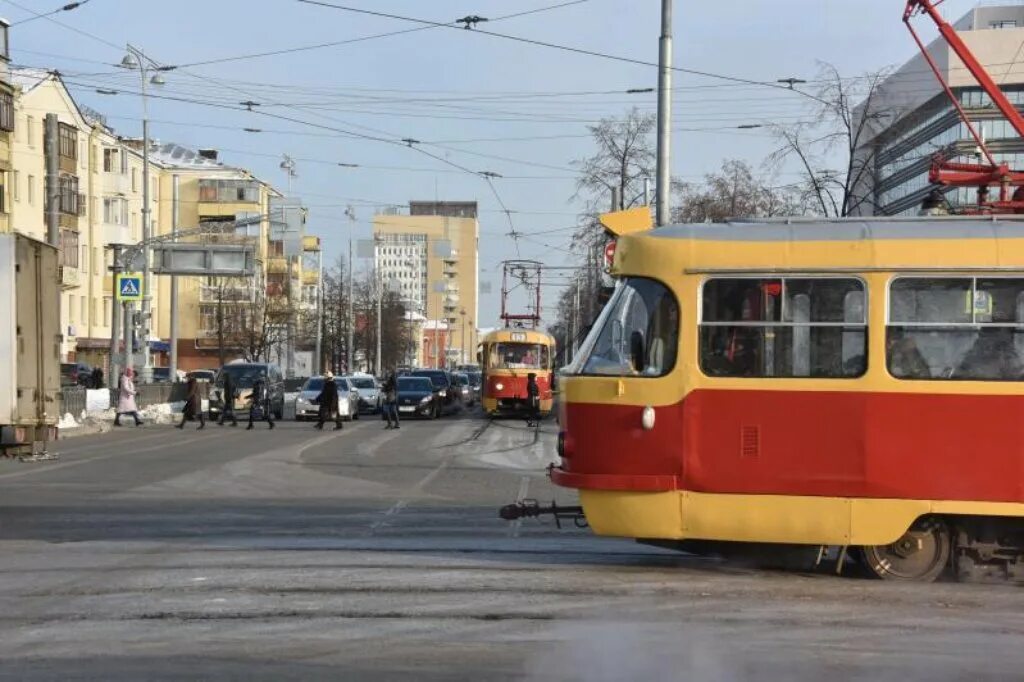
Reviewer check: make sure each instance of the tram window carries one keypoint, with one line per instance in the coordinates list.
(519, 356)
(639, 335)
(956, 328)
(812, 327)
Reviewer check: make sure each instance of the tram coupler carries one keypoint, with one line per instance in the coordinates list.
(531, 509)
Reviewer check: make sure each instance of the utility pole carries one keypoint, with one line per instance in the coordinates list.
(175, 218)
(318, 360)
(350, 320)
(115, 316)
(664, 113)
(51, 149)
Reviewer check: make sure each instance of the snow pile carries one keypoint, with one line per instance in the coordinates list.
(67, 422)
(97, 400)
(162, 413)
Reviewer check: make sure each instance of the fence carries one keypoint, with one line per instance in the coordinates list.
(72, 400)
(154, 394)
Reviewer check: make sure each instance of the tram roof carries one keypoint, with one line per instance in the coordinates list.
(848, 229)
(505, 335)
(926, 244)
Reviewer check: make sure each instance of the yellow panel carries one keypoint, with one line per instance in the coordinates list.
(768, 518)
(633, 515)
(627, 222)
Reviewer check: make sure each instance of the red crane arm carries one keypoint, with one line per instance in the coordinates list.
(966, 56)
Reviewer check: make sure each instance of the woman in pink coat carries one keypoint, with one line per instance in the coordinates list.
(126, 398)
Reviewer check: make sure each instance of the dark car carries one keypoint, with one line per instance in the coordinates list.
(245, 375)
(463, 387)
(207, 375)
(476, 379)
(417, 397)
(444, 387)
(75, 374)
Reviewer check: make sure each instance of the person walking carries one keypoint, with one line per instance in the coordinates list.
(391, 402)
(193, 405)
(228, 401)
(97, 377)
(328, 403)
(532, 400)
(126, 398)
(259, 401)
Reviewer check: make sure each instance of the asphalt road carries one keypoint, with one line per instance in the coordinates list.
(369, 554)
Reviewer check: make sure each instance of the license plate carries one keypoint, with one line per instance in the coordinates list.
(406, 409)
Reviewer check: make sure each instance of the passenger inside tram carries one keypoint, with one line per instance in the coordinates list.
(993, 356)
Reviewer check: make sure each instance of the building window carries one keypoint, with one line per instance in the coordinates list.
(6, 111)
(107, 303)
(956, 328)
(229, 191)
(135, 182)
(1004, 23)
(3, 193)
(4, 46)
(110, 164)
(69, 248)
(124, 162)
(95, 260)
(783, 327)
(115, 211)
(84, 262)
(69, 194)
(30, 130)
(32, 189)
(68, 138)
(83, 307)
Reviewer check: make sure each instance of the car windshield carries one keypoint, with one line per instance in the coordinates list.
(314, 384)
(461, 380)
(637, 334)
(363, 382)
(244, 376)
(414, 384)
(474, 379)
(438, 379)
(519, 356)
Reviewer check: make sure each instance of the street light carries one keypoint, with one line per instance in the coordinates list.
(136, 60)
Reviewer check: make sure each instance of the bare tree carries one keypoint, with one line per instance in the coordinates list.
(848, 114)
(733, 192)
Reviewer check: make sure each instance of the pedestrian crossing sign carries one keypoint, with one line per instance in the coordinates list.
(129, 287)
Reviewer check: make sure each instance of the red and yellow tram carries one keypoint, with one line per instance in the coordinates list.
(508, 357)
(857, 384)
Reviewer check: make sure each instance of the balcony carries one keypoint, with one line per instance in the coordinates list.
(452, 257)
(69, 277)
(310, 243)
(232, 294)
(277, 265)
(450, 270)
(451, 299)
(311, 277)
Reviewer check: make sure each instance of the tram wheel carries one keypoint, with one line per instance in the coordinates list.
(920, 555)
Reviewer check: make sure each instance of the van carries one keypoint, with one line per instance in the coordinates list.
(244, 375)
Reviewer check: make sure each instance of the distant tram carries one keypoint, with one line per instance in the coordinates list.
(852, 383)
(508, 357)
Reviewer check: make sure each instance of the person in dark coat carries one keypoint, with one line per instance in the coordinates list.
(259, 400)
(391, 401)
(97, 377)
(532, 400)
(193, 405)
(228, 401)
(328, 403)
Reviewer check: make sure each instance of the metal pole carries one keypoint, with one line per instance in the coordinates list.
(115, 317)
(175, 217)
(349, 322)
(380, 296)
(147, 234)
(462, 342)
(664, 113)
(51, 148)
(318, 360)
(647, 191)
(129, 336)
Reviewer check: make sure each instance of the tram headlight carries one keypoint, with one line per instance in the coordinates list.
(647, 418)
(499, 386)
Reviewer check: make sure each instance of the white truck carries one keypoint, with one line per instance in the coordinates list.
(30, 338)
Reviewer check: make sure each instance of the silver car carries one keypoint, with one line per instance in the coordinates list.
(348, 399)
(370, 398)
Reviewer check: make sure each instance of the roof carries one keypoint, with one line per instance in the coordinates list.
(847, 230)
(28, 78)
(178, 156)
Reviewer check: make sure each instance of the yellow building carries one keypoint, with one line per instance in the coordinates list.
(430, 256)
(6, 127)
(100, 203)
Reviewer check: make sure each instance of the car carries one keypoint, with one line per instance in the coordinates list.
(245, 375)
(476, 379)
(444, 386)
(75, 374)
(207, 375)
(370, 398)
(463, 388)
(348, 399)
(417, 397)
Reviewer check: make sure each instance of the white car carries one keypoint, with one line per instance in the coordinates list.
(348, 399)
(370, 398)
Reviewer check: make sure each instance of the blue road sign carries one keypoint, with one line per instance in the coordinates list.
(129, 287)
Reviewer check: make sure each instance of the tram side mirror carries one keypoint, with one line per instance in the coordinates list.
(637, 352)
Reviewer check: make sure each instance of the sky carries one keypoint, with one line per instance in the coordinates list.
(474, 102)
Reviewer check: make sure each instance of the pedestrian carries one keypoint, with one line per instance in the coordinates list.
(126, 398)
(259, 402)
(391, 401)
(97, 377)
(193, 405)
(228, 401)
(532, 400)
(328, 403)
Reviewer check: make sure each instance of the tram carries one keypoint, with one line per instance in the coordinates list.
(508, 356)
(854, 383)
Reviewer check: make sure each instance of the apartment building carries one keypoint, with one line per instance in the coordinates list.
(917, 120)
(430, 256)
